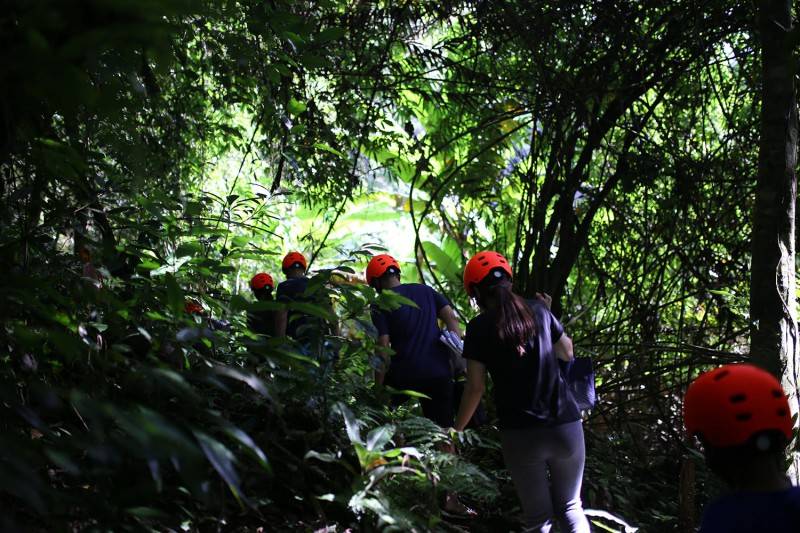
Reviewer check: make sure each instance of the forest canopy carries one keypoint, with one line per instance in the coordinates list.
(159, 152)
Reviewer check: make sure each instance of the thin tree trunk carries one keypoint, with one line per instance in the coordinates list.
(773, 336)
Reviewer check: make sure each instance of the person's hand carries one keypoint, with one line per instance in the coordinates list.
(545, 298)
(456, 435)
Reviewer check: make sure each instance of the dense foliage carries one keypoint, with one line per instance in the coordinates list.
(154, 151)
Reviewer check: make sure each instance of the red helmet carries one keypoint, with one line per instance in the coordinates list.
(193, 307)
(732, 403)
(481, 265)
(293, 259)
(378, 266)
(261, 280)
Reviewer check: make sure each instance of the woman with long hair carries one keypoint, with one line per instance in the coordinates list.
(518, 342)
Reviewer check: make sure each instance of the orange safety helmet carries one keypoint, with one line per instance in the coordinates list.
(730, 404)
(378, 266)
(261, 280)
(481, 265)
(193, 307)
(293, 259)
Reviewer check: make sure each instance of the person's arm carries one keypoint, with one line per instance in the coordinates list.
(473, 392)
(563, 348)
(380, 373)
(281, 320)
(448, 316)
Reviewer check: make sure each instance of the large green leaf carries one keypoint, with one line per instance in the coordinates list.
(442, 261)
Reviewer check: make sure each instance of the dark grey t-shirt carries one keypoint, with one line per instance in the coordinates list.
(529, 390)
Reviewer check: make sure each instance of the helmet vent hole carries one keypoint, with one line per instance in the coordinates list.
(777, 393)
(744, 417)
(721, 375)
(782, 412)
(738, 398)
(763, 443)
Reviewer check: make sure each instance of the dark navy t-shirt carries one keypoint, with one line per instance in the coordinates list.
(293, 290)
(529, 390)
(414, 336)
(751, 512)
(261, 322)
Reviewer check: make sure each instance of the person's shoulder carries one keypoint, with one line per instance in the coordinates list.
(536, 304)
(421, 288)
(538, 308)
(478, 322)
(408, 289)
(293, 283)
(792, 496)
(731, 510)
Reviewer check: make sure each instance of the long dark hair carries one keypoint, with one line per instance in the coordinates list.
(513, 317)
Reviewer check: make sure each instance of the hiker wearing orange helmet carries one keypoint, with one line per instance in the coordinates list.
(292, 290)
(263, 320)
(315, 335)
(519, 343)
(741, 415)
(420, 362)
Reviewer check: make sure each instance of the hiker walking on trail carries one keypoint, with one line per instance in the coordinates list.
(421, 362)
(309, 331)
(292, 290)
(741, 415)
(262, 321)
(518, 342)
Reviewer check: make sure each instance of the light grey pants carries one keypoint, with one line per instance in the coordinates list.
(529, 454)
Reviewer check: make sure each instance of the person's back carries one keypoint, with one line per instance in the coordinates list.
(262, 321)
(741, 415)
(294, 290)
(414, 334)
(421, 362)
(519, 344)
(746, 512)
(530, 389)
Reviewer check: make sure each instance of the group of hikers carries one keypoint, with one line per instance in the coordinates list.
(738, 412)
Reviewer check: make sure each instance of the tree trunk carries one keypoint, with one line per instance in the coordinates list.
(773, 331)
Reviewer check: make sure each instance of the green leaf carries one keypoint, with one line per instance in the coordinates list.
(62, 460)
(350, 423)
(390, 300)
(171, 267)
(313, 310)
(251, 380)
(240, 241)
(148, 265)
(324, 457)
(296, 107)
(222, 460)
(406, 392)
(191, 248)
(147, 512)
(378, 437)
(443, 262)
(326, 147)
(248, 443)
(174, 294)
(313, 61)
(330, 34)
